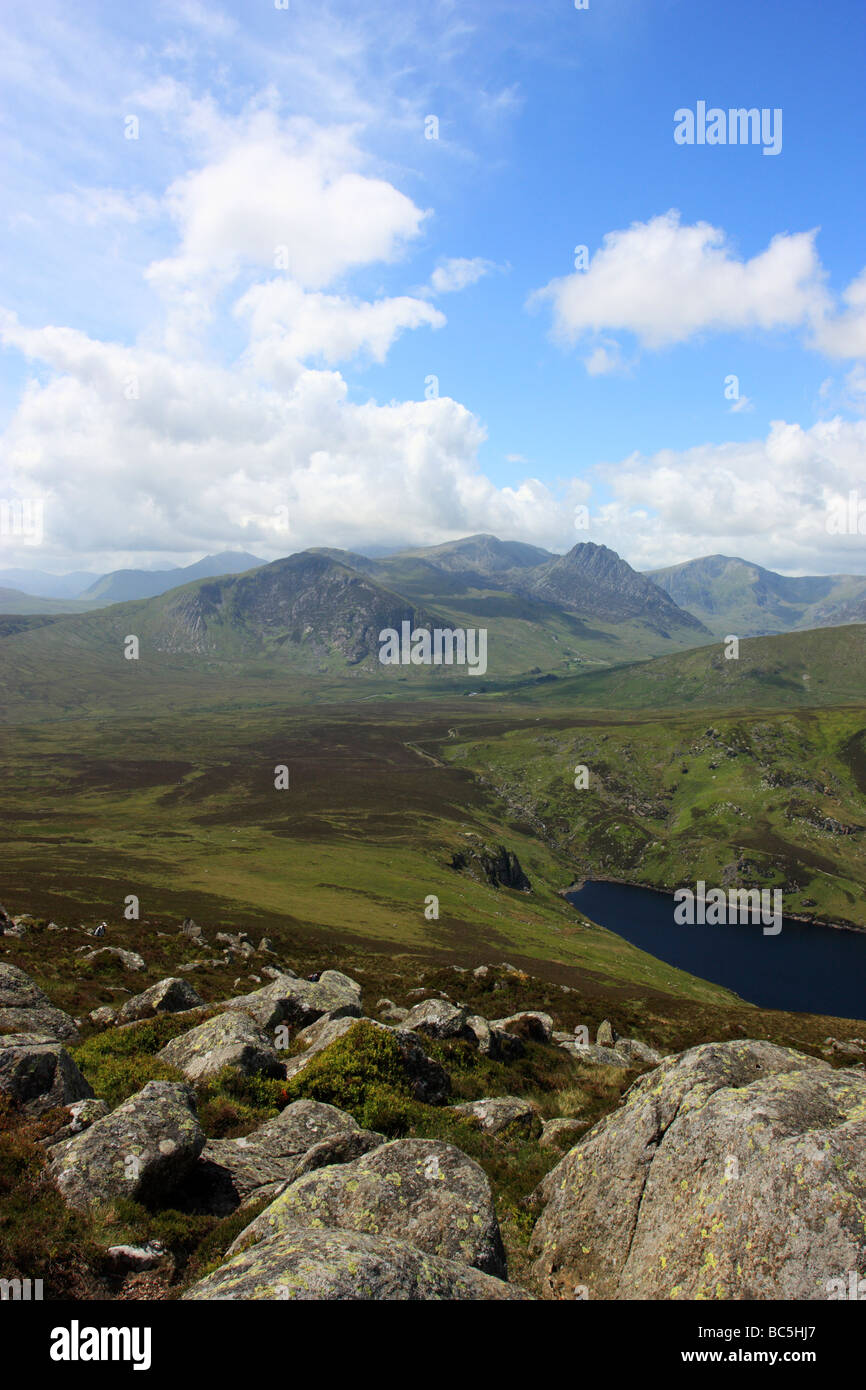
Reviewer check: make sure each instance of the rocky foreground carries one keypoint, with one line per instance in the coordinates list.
(732, 1169)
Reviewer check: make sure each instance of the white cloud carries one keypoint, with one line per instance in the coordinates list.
(204, 457)
(766, 500)
(288, 326)
(843, 334)
(664, 283)
(457, 273)
(286, 195)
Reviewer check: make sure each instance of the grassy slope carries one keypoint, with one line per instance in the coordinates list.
(823, 667)
(183, 813)
(677, 797)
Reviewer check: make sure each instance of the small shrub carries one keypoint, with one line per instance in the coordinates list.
(363, 1073)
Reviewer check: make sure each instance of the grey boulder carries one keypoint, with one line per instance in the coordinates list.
(422, 1191)
(346, 1266)
(142, 1150)
(734, 1170)
(39, 1074)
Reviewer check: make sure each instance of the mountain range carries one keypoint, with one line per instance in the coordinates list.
(320, 611)
(734, 596)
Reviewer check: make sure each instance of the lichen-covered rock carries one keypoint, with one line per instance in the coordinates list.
(227, 1040)
(318, 1036)
(346, 1266)
(555, 1134)
(233, 1171)
(594, 1056)
(437, 1018)
(142, 1150)
(39, 1073)
(531, 1025)
(638, 1053)
(428, 1193)
(130, 960)
(496, 1113)
(298, 1003)
(605, 1037)
(169, 996)
(25, 1008)
(733, 1170)
(82, 1114)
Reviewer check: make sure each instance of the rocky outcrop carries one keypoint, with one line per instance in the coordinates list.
(497, 866)
(130, 960)
(428, 1193)
(228, 1040)
(142, 1150)
(232, 1172)
(346, 1266)
(733, 1170)
(437, 1018)
(38, 1073)
(530, 1025)
(25, 1008)
(297, 1003)
(497, 1113)
(168, 996)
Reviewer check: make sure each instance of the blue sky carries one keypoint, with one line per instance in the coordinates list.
(167, 389)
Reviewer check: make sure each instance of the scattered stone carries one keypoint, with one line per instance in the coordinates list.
(605, 1037)
(296, 1002)
(530, 1025)
(130, 960)
(437, 1019)
(24, 1008)
(133, 1259)
(594, 1056)
(104, 1016)
(232, 1172)
(637, 1052)
(496, 1113)
(555, 1134)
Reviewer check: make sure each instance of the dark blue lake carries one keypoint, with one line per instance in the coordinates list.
(809, 969)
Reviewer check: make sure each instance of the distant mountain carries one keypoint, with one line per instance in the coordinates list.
(122, 585)
(39, 584)
(309, 602)
(734, 596)
(319, 613)
(15, 602)
(479, 554)
(595, 581)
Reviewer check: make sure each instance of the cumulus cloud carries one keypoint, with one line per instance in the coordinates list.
(843, 334)
(274, 194)
(767, 500)
(457, 273)
(664, 282)
(288, 326)
(132, 450)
